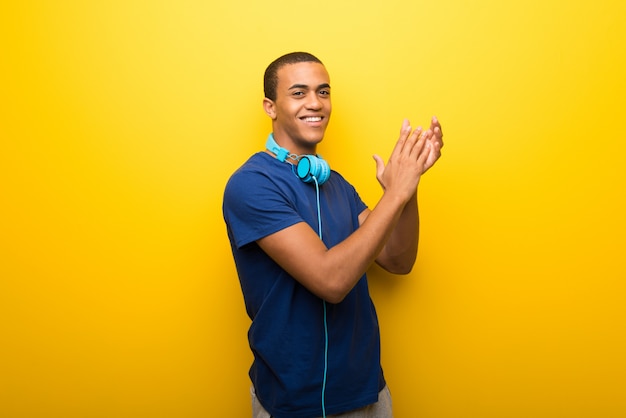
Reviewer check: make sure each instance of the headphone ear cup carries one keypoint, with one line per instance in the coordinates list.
(310, 166)
(324, 171)
(304, 167)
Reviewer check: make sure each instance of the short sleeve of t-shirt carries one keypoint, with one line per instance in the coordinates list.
(256, 206)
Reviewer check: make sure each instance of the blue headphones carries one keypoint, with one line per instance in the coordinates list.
(310, 167)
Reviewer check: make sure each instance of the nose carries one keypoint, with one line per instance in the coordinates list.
(314, 102)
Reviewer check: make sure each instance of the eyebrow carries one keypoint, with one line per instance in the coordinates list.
(304, 86)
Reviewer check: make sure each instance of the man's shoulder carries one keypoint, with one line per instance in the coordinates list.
(257, 164)
(254, 162)
(255, 178)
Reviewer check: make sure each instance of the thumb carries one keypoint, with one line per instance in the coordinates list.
(380, 168)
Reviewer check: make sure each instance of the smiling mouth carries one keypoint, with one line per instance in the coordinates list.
(312, 119)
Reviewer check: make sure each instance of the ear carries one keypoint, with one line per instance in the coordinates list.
(270, 108)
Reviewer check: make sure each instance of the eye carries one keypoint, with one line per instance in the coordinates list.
(324, 92)
(298, 93)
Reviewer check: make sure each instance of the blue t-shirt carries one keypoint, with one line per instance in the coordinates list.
(287, 334)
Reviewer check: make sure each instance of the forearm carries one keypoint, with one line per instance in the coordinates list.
(331, 273)
(400, 252)
(344, 264)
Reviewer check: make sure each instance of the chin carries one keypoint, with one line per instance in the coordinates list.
(314, 140)
(316, 136)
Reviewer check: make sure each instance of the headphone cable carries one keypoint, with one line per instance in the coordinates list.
(319, 229)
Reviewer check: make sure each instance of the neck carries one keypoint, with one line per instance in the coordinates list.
(295, 144)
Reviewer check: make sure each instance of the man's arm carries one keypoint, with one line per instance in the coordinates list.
(332, 273)
(400, 252)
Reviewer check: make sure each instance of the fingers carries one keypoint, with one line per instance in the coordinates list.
(406, 126)
(435, 126)
(422, 146)
(414, 142)
(435, 144)
(404, 134)
(417, 143)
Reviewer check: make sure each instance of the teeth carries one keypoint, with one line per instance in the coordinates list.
(315, 119)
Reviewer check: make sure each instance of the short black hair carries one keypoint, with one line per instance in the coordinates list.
(270, 80)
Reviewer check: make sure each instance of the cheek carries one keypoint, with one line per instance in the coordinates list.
(288, 111)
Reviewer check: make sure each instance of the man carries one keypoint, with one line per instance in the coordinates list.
(302, 240)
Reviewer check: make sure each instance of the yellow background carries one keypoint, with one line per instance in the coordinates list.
(120, 122)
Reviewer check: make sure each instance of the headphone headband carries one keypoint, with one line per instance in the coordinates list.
(271, 145)
(310, 167)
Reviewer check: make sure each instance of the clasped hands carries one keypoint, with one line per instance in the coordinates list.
(414, 153)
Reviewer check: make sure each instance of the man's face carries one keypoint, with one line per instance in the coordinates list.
(301, 111)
